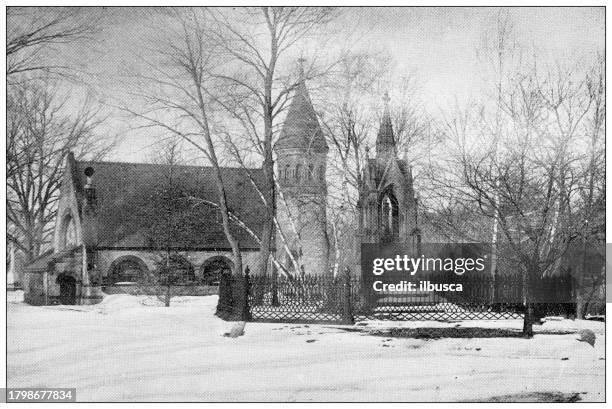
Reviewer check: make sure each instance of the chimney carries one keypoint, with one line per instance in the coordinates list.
(90, 191)
(90, 210)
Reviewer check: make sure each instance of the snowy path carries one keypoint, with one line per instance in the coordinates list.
(123, 350)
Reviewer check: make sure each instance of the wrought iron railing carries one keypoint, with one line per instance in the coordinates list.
(345, 299)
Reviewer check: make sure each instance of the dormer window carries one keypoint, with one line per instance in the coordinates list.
(310, 172)
(298, 172)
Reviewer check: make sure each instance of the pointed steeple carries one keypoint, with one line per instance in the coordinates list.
(301, 129)
(385, 141)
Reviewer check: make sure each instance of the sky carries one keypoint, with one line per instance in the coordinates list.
(439, 46)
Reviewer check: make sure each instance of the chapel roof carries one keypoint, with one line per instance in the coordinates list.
(126, 193)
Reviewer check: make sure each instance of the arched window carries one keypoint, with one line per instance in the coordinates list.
(68, 232)
(298, 173)
(213, 268)
(389, 217)
(321, 173)
(310, 172)
(287, 172)
(127, 269)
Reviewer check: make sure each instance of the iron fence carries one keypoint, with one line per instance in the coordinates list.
(346, 298)
(307, 299)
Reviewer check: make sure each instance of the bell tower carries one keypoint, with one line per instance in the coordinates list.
(301, 153)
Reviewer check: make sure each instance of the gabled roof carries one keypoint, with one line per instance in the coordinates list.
(301, 129)
(126, 193)
(377, 167)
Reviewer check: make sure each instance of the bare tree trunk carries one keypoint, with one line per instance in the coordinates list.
(494, 250)
(167, 297)
(268, 230)
(580, 279)
(268, 163)
(167, 274)
(336, 248)
(275, 301)
(528, 321)
(239, 305)
(529, 316)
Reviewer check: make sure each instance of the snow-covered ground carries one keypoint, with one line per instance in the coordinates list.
(129, 349)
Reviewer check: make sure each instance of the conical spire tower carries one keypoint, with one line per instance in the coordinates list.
(301, 160)
(385, 140)
(301, 129)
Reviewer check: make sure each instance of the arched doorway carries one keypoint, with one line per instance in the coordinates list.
(67, 284)
(213, 268)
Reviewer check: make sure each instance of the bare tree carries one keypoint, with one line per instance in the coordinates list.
(255, 43)
(44, 121)
(35, 35)
(529, 179)
(170, 215)
(499, 51)
(350, 125)
(577, 105)
(174, 88)
(43, 125)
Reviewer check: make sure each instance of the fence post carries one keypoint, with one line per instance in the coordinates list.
(347, 307)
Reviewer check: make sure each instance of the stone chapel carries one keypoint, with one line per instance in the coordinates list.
(103, 244)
